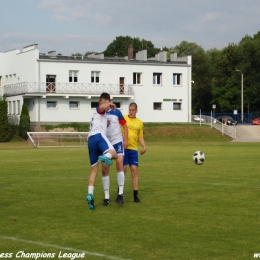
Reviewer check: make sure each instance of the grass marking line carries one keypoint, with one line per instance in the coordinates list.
(61, 247)
(203, 183)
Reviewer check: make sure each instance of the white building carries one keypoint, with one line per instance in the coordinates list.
(63, 89)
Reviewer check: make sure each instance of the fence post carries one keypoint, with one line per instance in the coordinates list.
(200, 117)
(211, 118)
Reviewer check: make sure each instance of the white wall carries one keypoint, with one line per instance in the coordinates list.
(19, 66)
(29, 68)
(145, 94)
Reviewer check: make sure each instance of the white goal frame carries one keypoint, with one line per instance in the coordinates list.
(58, 139)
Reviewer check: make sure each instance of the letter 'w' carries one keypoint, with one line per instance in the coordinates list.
(256, 255)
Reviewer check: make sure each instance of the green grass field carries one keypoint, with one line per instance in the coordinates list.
(187, 211)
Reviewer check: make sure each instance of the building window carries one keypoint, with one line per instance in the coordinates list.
(157, 106)
(18, 107)
(176, 106)
(94, 104)
(73, 76)
(95, 76)
(74, 105)
(14, 108)
(10, 107)
(177, 79)
(118, 104)
(137, 78)
(51, 83)
(157, 78)
(51, 104)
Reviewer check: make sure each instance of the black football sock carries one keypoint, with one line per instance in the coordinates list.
(135, 193)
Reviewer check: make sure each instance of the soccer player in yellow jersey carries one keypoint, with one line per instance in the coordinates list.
(135, 136)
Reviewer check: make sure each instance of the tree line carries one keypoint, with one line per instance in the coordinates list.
(216, 73)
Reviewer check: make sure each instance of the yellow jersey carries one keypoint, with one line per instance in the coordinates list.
(135, 131)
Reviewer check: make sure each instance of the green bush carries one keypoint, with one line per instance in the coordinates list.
(4, 126)
(24, 125)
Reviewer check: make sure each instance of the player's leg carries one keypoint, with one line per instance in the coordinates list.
(91, 185)
(133, 163)
(119, 148)
(107, 149)
(93, 157)
(134, 173)
(125, 161)
(120, 178)
(106, 183)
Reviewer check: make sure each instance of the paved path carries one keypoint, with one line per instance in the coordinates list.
(247, 133)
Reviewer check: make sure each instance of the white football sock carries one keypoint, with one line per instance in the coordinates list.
(121, 182)
(106, 184)
(108, 155)
(91, 190)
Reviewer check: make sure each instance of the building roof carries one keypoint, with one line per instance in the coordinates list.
(106, 60)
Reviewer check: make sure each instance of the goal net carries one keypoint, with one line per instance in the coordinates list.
(58, 139)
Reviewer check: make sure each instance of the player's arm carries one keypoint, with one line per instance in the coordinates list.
(141, 139)
(124, 128)
(142, 143)
(125, 136)
(105, 106)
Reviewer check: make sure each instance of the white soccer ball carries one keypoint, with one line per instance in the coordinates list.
(198, 157)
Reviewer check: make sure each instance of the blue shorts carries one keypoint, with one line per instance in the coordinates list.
(98, 144)
(119, 148)
(131, 157)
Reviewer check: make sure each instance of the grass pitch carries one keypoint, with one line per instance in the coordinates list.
(187, 211)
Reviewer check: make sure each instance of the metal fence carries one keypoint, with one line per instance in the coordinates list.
(13, 120)
(58, 139)
(245, 119)
(229, 130)
(67, 88)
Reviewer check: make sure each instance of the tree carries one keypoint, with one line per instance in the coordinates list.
(88, 52)
(225, 80)
(249, 63)
(4, 126)
(24, 125)
(119, 47)
(76, 54)
(201, 89)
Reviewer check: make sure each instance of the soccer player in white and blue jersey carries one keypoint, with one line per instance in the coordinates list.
(114, 135)
(100, 149)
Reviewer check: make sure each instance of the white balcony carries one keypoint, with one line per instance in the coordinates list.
(86, 90)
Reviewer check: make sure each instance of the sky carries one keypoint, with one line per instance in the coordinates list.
(72, 26)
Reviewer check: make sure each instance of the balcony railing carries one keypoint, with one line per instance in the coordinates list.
(67, 88)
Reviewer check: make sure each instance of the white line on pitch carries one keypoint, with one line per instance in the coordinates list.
(203, 183)
(61, 248)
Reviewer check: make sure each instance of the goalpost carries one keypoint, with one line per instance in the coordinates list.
(58, 139)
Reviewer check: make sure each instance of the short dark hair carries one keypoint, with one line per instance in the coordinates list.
(105, 95)
(133, 104)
